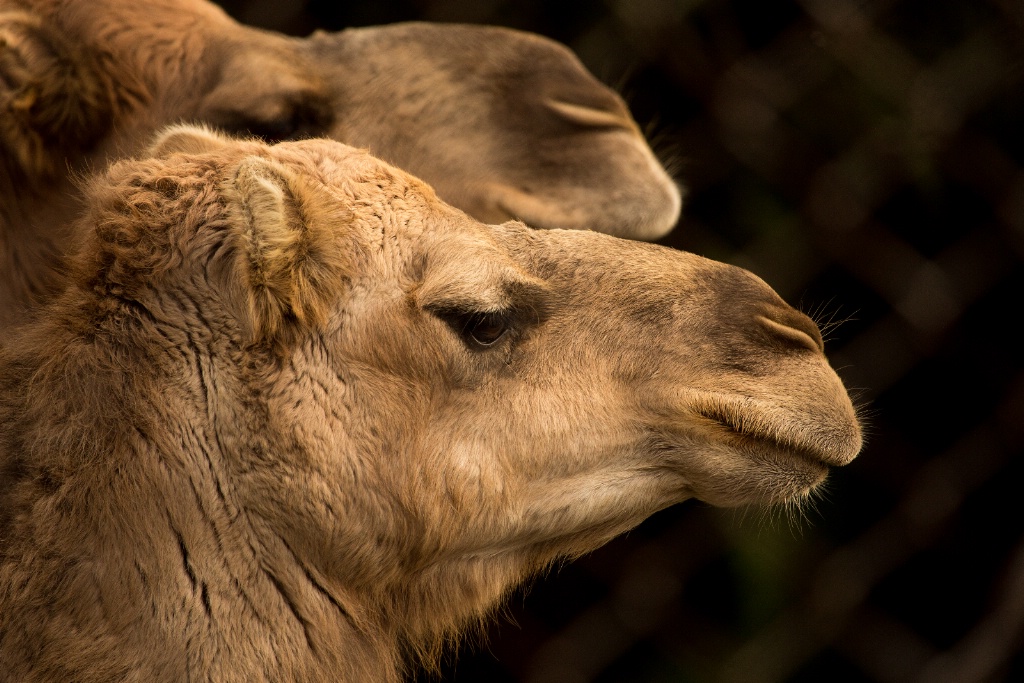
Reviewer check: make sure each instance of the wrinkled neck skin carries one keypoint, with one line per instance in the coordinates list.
(200, 573)
(197, 546)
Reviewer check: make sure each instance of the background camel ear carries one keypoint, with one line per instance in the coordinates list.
(54, 99)
(186, 139)
(294, 266)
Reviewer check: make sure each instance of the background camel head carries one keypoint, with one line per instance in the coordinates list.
(342, 378)
(504, 124)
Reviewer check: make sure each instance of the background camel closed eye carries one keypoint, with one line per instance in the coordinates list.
(864, 159)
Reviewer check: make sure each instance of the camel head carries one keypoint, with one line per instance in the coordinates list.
(295, 368)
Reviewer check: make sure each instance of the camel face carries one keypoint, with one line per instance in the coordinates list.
(605, 390)
(503, 124)
(299, 410)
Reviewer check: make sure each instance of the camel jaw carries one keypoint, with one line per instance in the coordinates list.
(734, 449)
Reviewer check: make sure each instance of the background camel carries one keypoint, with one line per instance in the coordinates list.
(504, 124)
(294, 418)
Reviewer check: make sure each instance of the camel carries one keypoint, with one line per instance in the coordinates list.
(295, 418)
(503, 124)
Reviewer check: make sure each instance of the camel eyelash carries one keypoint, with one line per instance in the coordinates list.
(480, 330)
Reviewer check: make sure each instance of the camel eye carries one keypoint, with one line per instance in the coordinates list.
(486, 329)
(478, 330)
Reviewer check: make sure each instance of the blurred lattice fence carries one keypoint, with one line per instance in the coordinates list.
(865, 159)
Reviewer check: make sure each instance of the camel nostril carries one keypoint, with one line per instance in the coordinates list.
(795, 329)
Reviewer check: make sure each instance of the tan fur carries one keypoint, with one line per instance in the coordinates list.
(504, 124)
(256, 439)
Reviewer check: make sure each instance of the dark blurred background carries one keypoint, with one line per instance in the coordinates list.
(863, 158)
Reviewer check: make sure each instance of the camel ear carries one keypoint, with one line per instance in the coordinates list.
(294, 267)
(54, 99)
(186, 139)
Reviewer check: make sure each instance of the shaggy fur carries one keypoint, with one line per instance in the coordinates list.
(297, 419)
(504, 124)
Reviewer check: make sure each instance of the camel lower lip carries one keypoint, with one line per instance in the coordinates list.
(793, 454)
